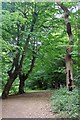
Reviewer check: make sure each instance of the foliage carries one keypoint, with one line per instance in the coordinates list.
(47, 78)
(66, 102)
(49, 34)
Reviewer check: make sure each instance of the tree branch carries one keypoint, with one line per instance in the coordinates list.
(31, 30)
(66, 15)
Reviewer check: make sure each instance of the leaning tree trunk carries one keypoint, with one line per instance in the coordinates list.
(68, 58)
(7, 88)
(12, 77)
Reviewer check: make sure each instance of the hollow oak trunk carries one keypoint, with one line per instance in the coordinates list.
(69, 73)
(68, 58)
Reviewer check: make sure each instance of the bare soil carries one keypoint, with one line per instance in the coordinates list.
(29, 105)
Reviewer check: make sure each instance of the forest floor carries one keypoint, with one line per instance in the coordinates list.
(29, 105)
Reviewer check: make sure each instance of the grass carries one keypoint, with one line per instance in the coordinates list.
(35, 91)
(15, 91)
(65, 103)
(29, 90)
(0, 92)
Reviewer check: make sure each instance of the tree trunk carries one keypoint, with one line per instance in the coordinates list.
(68, 58)
(16, 64)
(7, 88)
(21, 86)
(69, 73)
(8, 85)
(23, 77)
(22, 82)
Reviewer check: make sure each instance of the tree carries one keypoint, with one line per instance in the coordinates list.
(17, 61)
(25, 76)
(24, 21)
(68, 58)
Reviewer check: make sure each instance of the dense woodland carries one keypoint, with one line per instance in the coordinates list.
(41, 51)
(39, 46)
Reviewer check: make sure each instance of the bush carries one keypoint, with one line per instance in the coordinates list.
(44, 80)
(64, 101)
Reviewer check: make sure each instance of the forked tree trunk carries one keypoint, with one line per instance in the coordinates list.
(16, 66)
(68, 58)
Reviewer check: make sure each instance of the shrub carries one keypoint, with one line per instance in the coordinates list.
(64, 101)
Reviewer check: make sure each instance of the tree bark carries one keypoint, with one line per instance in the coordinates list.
(11, 79)
(68, 58)
(69, 73)
(21, 85)
(23, 77)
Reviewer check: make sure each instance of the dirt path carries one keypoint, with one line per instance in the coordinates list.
(30, 105)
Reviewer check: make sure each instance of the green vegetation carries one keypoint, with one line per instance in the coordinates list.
(66, 103)
(38, 49)
(46, 45)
